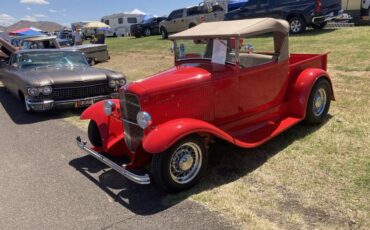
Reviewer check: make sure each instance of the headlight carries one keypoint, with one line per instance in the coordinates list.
(112, 84)
(33, 92)
(109, 107)
(47, 90)
(121, 82)
(143, 119)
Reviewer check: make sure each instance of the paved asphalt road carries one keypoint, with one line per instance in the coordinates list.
(47, 183)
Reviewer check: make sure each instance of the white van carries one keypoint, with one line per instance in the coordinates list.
(120, 23)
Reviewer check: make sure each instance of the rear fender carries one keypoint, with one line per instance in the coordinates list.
(301, 90)
(110, 127)
(165, 135)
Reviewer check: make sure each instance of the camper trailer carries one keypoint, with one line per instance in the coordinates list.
(120, 23)
(358, 9)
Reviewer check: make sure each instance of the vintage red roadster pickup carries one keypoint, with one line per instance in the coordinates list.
(220, 87)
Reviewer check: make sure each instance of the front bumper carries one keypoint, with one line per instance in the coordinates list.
(328, 17)
(139, 179)
(40, 105)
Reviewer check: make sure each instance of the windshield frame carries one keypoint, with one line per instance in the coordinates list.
(175, 47)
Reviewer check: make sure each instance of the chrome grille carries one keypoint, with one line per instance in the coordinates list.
(130, 108)
(68, 93)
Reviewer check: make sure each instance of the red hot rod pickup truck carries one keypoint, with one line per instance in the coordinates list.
(220, 87)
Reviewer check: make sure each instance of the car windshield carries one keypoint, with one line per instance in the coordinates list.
(52, 59)
(149, 20)
(217, 50)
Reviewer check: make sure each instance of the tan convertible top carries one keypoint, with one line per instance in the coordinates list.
(242, 28)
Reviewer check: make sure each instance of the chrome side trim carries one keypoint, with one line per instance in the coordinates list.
(145, 179)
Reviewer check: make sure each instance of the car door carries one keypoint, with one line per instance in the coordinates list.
(262, 86)
(216, 13)
(174, 21)
(263, 8)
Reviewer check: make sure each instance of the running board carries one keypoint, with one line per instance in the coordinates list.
(145, 179)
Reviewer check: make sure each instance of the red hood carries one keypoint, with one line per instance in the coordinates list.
(176, 77)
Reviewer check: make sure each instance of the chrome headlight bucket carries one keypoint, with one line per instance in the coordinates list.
(109, 107)
(144, 120)
(116, 83)
(46, 90)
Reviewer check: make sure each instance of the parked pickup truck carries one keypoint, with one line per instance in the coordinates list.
(147, 28)
(220, 87)
(185, 18)
(299, 13)
(94, 52)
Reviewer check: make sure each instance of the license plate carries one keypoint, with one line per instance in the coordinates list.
(84, 103)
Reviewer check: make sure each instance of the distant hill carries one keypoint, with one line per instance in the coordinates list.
(2, 28)
(42, 25)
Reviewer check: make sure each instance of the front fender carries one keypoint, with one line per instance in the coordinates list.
(301, 90)
(110, 127)
(165, 135)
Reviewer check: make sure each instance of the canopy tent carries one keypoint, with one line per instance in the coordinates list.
(96, 25)
(26, 32)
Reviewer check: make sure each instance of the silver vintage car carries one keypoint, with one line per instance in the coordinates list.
(47, 79)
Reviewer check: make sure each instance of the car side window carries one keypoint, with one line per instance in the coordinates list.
(14, 61)
(176, 14)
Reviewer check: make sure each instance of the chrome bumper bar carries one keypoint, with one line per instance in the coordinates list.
(145, 179)
(329, 17)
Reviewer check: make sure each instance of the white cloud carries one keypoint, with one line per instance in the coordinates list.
(29, 8)
(6, 19)
(39, 15)
(52, 11)
(36, 2)
(29, 18)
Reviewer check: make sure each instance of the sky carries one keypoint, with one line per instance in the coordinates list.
(66, 11)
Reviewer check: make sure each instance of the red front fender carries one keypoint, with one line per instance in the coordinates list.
(110, 128)
(165, 135)
(300, 92)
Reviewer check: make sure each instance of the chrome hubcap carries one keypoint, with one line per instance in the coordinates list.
(295, 26)
(147, 32)
(185, 163)
(319, 102)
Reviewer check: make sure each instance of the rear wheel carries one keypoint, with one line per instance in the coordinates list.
(319, 26)
(181, 166)
(297, 24)
(94, 134)
(164, 33)
(318, 102)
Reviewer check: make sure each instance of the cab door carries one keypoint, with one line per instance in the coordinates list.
(248, 10)
(175, 20)
(262, 86)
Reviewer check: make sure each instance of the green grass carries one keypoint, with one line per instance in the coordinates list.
(308, 177)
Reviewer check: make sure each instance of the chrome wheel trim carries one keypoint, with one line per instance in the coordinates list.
(147, 32)
(185, 163)
(319, 102)
(295, 26)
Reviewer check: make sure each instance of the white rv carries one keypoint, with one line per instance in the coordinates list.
(120, 23)
(357, 8)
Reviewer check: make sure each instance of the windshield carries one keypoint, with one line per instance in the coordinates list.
(52, 59)
(148, 20)
(220, 51)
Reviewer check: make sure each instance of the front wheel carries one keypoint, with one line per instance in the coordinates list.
(148, 32)
(181, 166)
(318, 102)
(94, 134)
(164, 33)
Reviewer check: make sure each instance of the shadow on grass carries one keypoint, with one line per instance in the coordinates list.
(18, 114)
(227, 163)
